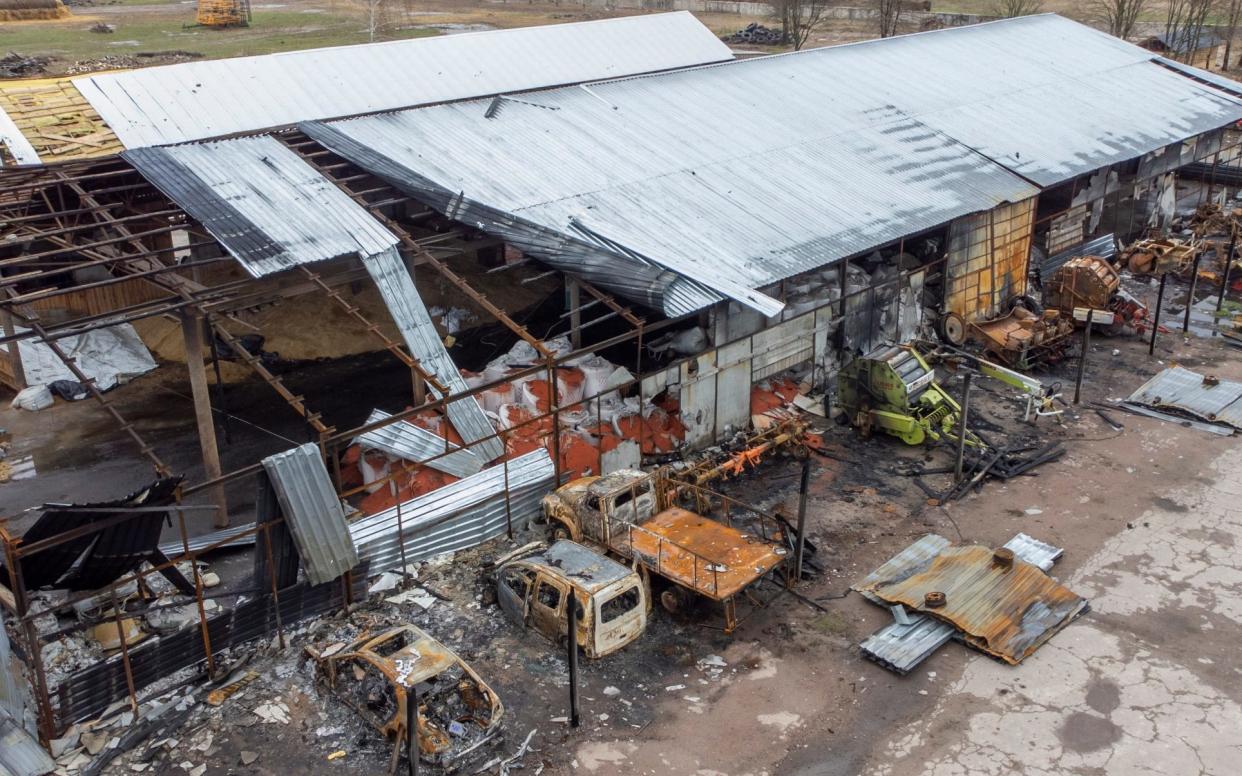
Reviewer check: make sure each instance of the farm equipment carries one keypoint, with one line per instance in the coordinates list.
(1090, 286)
(1159, 256)
(637, 517)
(894, 390)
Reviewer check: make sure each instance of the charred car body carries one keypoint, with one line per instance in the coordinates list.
(379, 674)
(533, 590)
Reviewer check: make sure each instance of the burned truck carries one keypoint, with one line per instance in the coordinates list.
(380, 675)
(533, 589)
(658, 524)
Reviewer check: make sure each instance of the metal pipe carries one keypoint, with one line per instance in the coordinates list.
(961, 432)
(572, 641)
(411, 729)
(803, 488)
(1082, 358)
(1155, 324)
(1224, 279)
(1190, 293)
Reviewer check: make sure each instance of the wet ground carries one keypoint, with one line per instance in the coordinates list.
(1143, 681)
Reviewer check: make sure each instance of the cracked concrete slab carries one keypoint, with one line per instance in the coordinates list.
(1116, 694)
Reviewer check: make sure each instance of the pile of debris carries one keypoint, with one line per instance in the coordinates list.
(757, 34)
(14, 65)
(980, 464)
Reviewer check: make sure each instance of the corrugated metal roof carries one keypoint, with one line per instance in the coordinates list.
(1004, 611)
(401, 297)
(313, 512)
(267, 207)
(408, 441)
(1185, 391)
(459, 515)
(20, 753)
(198, 100)
(15, 142)
(738, 175)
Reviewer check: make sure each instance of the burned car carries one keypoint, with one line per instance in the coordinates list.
(376, 675)
(533, 590)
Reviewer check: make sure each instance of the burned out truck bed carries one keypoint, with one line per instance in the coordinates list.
(637, 516)
(712, 559)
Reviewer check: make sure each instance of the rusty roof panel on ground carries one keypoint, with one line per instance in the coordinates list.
(1006, 610)
(909, 561)
(902, 646)
(1184, 391)
(213, 98)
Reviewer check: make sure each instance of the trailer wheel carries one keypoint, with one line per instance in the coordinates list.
(673, 599)
(952, 329)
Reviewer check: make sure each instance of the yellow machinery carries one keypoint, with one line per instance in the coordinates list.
(894, 390)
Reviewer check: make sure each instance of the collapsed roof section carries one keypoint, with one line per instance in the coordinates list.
(267, 207)
(200, 100)
(736, 176)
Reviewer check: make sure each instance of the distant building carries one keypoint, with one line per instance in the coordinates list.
(1203, 50)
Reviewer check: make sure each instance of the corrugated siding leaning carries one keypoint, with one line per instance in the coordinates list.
(456, 516)
(313, 512)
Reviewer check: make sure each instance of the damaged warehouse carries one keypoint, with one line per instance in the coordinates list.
(652, 271)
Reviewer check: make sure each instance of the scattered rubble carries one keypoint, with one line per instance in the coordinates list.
(757, 34)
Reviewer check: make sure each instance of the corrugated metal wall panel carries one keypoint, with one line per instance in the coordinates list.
(456, 516)
(987, 262)
(313, 512)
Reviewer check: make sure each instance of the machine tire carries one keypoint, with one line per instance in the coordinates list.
(1027, 302)
(952, 329)
(673, 599)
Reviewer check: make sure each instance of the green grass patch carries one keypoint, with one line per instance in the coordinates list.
(270, 31)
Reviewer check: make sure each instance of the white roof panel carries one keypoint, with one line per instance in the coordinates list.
(214, 98)
(740, 174)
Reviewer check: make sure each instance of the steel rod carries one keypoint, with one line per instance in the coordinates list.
(1082, 358)
(572, 641)
(803, 489)
(961, 432)
(1190, 292)
(1155, 325)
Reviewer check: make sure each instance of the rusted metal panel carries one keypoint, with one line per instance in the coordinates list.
(987, 262)
(1005, 609)
(1193, 394)
(706, 556)
(901, 646)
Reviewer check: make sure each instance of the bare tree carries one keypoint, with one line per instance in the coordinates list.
(1233, 14)
(890, 17)
(799, 18)
(1009, 9)
(1120, 16)
(384, 16)
(1184, 23)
